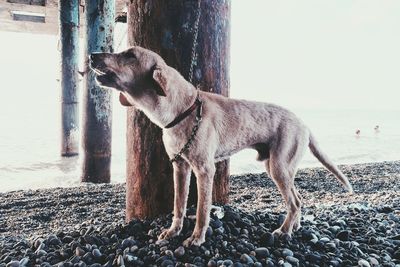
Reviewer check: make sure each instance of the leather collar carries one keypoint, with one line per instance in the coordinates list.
(197, 104)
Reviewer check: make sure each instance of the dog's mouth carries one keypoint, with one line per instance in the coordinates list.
(103, 73)
(104, 76)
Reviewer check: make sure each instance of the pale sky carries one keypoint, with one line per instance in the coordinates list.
(300, 54)
(316, 53)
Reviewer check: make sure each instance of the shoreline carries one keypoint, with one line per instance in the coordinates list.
(27, 216)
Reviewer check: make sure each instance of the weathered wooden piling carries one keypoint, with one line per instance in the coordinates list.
(97, 108)
(69, 34)
(166, 28)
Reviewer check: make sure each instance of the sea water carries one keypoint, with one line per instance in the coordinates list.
(30, 123)
(30, 140)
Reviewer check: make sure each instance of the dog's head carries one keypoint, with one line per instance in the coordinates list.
(135, 71)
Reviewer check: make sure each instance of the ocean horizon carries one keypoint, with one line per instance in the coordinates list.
(30, 142)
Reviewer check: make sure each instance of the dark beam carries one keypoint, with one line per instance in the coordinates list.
(29, 2)
(49, 9)
(28, 16)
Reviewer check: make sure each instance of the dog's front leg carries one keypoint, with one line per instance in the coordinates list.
(181, 191)
(204, 175)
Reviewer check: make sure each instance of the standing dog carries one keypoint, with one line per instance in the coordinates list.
(145, 81)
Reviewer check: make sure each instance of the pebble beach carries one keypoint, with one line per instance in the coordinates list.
(84, 226)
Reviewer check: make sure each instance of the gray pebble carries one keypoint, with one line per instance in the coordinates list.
(373, 261)
(41, 253)
(96, 253)
(211, 263)
(228, 262)
(324, 239)
(162, 242)
(79, 251)
(270, 263)
(179, 252)
(13, 264)
(292, 260)
(23, 261)
(246, 259)
(287, 252)
(120, 261)
(169, 253)
(363, 263)
(262, 252)
(166, 263)
(343, 235)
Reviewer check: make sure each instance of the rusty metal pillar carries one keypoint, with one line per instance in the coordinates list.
(69, 35)
(166, 28)
(97, 108)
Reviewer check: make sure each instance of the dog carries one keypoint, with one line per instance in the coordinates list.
(227, 126)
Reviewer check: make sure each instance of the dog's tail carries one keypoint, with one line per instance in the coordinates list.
(323, 158)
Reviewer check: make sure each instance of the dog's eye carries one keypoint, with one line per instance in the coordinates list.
(130, 55)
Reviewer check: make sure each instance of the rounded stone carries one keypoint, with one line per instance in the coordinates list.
(373, 261)
(211, 263)
(96, 253)
(262, 252)
(41, 253)
(120, 261)
(267, 239)
(270, 263)
(324, 240)
(292, 260)
(228, 262)
(79, 251)
(363, 263)
(246, 259)
(23, 261)
(13, 264)
(179, 252)
(343, 235)
(167, 263)
(287, 252)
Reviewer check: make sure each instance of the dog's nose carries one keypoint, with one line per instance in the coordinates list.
(94, 57)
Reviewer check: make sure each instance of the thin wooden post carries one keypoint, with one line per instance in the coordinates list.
(69, 34)
(166, 28)
(97, 108)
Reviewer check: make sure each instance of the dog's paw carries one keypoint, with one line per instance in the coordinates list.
(169, 233)
(193, 241)
(281, 235)
(277, 233)
(297, 224)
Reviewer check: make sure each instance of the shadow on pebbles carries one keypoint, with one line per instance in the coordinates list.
(85, 226)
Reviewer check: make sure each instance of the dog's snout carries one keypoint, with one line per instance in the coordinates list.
(94, 58)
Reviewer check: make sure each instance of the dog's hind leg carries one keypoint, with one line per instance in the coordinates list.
(267, 168)
(297, 224)
(181, 191)
(284, 181)
(283, 166)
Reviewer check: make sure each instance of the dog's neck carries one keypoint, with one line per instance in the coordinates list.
(180, 96)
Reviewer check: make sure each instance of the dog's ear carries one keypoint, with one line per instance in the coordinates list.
(124, 101)
(160, 77)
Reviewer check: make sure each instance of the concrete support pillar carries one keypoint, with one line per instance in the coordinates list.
(97, 108)
(69, 35)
